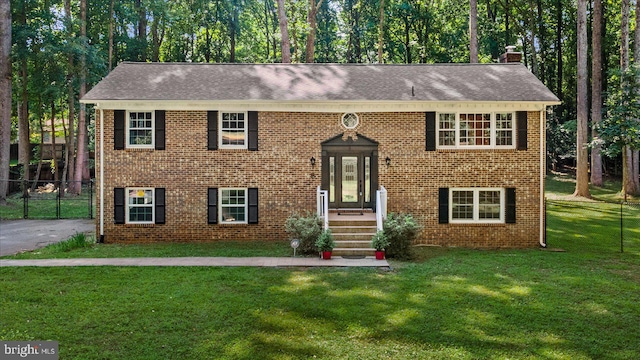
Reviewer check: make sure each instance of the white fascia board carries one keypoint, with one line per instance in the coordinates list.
(322, 106)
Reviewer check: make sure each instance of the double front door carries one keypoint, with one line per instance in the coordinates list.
(350, 172)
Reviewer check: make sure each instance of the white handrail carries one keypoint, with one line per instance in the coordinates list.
(322, 201)
(381, 207)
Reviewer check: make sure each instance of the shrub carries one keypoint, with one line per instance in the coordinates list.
(325, 241)
(79, 240)
(306, 228)
(379, 241)
(400, 230)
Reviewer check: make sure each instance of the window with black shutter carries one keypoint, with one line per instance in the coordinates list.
(118, 129)
(118, 205)
(443, 205)
(160, 134)
(212, 205)
(159, 205)
(253, 206)
(253, 131)
(521, 124)
(212, 130)
(510, 206)
(430, 141)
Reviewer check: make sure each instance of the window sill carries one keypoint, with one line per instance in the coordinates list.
(501, 150)
(473, 224)
(139, 225)
(139, 149)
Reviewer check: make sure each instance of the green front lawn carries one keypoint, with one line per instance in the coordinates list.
(447, 303)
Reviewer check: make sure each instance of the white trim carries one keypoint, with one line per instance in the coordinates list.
(101, 174)
(127, 130)
(349, 127)
(221, 206)
(476, 220)
(152, 205)
(246, 130)
(492, 130)
(323, 106)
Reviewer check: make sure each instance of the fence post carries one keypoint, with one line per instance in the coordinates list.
(621, 229)
(25, 200)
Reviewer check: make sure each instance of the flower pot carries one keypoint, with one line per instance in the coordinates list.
(379, 255)
(326, 255)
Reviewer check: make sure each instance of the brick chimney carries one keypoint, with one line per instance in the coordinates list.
(511, 55)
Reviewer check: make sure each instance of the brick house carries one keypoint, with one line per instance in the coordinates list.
(205, 152)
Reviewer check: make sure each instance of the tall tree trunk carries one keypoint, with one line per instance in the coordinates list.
(24, 147)
(54, 150)
(285, 43)
(596, 90)
(111, 20)
(34, 184)
(473, 31)
(582, 170)
(629, 179)
(65, 170)
(233, 30)
(381, 33)
(70, 144)
(636, 60)
(5, 98)
(82, 155)
(311, 38)
(559, 48)
(141, 31)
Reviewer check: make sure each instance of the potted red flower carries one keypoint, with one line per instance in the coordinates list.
(326, 244)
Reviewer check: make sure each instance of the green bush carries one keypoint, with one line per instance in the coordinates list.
(306, 228)
(325, 241)
(379, 241)
(400, 230)
(77, 241)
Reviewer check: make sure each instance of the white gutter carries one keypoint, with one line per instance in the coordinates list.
(101, 175)
(543, 167)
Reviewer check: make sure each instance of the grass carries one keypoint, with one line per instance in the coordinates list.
(447, 303)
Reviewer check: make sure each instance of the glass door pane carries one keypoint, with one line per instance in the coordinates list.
(332, 179)
(367, 179)
(350, 179)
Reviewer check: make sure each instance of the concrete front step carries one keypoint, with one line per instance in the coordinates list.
(354, 251)
(353, 236)
(353, 244)
(352, 222)
(353, 229)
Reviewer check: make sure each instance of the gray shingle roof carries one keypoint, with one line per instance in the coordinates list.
(320, 82)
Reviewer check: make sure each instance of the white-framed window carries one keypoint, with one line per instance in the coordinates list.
(140, 206)
(233, 206)
(233, 130)
(476, 130)
(350, 120)
(476, 205)
(140, 129)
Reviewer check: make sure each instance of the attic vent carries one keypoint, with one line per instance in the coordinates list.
(350, 120)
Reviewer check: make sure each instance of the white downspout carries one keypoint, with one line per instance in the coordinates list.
(101, 175)
(543, 167)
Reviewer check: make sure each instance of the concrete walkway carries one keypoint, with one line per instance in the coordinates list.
(203, 261)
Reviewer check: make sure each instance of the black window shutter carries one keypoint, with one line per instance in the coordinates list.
(160, 205)
(253, 131)
(160, 130)
(212, 130)
(118, 205)
(118, 129)
(443, 205)
(510, 211)
(212, 206)
(430, 141)
(521, 126)
(253, 205)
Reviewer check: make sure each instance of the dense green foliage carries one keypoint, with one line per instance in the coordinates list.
(306, 228)
(379, 241)
(400, 230)
(325, 241)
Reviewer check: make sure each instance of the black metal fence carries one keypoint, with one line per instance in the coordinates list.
(50, 200)
(595, 224)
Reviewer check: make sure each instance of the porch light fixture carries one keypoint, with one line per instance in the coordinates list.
(313, 161)
(387, 161)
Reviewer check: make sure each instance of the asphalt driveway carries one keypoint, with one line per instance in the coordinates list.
(27, 235)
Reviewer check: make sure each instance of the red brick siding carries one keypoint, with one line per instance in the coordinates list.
(287, 182)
